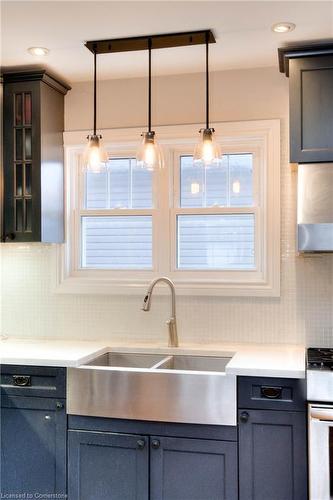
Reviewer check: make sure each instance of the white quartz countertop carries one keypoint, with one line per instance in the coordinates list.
(261, 360)
(15, 351)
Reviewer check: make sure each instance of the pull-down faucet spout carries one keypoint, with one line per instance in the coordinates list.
(172, 322)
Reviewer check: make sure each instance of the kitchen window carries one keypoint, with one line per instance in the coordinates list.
(213, 231)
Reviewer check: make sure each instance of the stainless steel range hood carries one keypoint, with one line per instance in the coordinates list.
(315, 207)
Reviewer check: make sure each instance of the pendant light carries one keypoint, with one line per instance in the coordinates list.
(94, 157)
(149, 154)
(207, 152)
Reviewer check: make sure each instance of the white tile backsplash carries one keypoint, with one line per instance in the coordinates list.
(303, 313)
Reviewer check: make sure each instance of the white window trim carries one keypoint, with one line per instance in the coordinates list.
(264, 281)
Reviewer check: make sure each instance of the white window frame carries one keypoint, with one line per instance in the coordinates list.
(262, 138)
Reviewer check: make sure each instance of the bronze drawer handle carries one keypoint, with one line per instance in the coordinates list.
(22, 380)
(271, 392)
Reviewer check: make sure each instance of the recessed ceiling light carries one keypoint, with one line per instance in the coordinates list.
(38, 51)
(283, 27)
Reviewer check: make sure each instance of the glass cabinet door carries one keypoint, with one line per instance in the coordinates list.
(22, 162)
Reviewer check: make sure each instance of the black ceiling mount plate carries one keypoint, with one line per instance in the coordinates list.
(161, 41)
(305, 50)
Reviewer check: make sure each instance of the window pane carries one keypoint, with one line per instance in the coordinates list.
(28, 215)
(18, 109)
(27, 109)
(18, 144)
(191, 183)
(28, 144)
(142, 190)
(216, 241)
(19, 215)
(96, 195)
(117, 242)
(217, 185)
(28, 179)
(18, 179)
(122, 185)
(227, 186)
(241, 180)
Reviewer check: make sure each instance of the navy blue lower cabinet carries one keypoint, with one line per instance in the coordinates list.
(193, 469)
(272, 455)
(33, 447)
(107, 466)
(113, 466)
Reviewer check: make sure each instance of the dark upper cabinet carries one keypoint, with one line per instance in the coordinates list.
(33, 124)
(310, 71)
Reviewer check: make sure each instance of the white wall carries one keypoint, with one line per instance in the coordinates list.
(303, 313)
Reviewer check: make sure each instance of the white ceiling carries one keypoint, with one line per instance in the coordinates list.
(242, 29)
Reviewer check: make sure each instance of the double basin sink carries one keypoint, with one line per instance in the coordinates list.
(182, 388)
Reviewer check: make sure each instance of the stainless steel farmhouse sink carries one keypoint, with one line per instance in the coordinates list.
(194, 363)
(184, 388)
(127, 360)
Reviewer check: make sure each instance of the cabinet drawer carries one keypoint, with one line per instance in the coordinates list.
(271, 393)
(38, 381)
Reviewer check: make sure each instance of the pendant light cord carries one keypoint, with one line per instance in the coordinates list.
(149, 84)
(207, 81)
(95, 91)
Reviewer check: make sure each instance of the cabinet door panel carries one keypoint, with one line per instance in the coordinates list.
(22, 146)
(107, 466)
(193, 469)
(311, 113)
(33, 446)
(272, 456)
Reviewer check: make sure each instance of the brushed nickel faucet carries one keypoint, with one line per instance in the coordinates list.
(172, 322)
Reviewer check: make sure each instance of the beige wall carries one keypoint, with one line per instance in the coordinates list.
(303, 313)
(235, 95)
